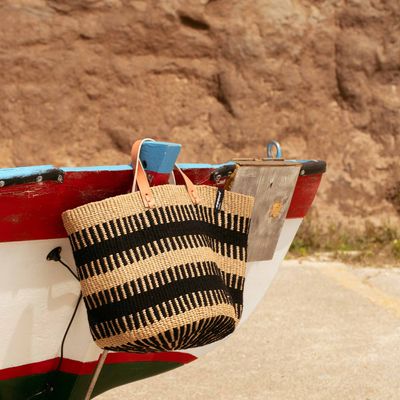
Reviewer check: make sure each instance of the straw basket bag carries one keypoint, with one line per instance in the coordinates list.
(161, 268)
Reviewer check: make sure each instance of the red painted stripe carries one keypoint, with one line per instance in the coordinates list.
(199, 176)
(28, 369)
(33, 211)
(303, 195)
(177, 357)
(86, 368)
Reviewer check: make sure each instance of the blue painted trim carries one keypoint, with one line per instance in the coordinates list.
(204, 166)
(126, 167)
(9, 173)
(157, 156)
(98, 168)
(19, 172)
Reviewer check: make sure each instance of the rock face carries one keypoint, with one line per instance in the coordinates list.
(80, 79)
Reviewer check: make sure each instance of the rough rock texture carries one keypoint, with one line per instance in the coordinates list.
(80, 79)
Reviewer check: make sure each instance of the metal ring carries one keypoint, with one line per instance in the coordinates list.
(274, 146)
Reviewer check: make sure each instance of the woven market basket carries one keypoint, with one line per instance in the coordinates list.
(166, 273)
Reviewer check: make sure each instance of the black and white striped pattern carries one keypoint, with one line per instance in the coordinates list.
(162, 279)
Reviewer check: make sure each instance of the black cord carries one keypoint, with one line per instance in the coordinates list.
(55, 255)
(69, 269)
(66, 333)
(50, 385)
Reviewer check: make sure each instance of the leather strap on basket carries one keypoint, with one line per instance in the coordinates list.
(190, 186)
(140, 178)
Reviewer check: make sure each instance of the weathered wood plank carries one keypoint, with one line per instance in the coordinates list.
(273, 186)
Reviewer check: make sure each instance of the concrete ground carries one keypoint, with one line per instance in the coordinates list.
(323, 331)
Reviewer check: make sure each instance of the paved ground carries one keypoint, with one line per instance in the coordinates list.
(323, 331)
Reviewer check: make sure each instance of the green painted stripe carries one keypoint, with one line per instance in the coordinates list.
(74, 387)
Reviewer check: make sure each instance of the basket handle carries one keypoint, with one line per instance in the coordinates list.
(140, 178)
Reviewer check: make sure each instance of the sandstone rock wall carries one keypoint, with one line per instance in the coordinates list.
(80, 79)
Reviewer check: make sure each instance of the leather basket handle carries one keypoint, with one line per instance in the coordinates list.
(140, 178)
(190, 186)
